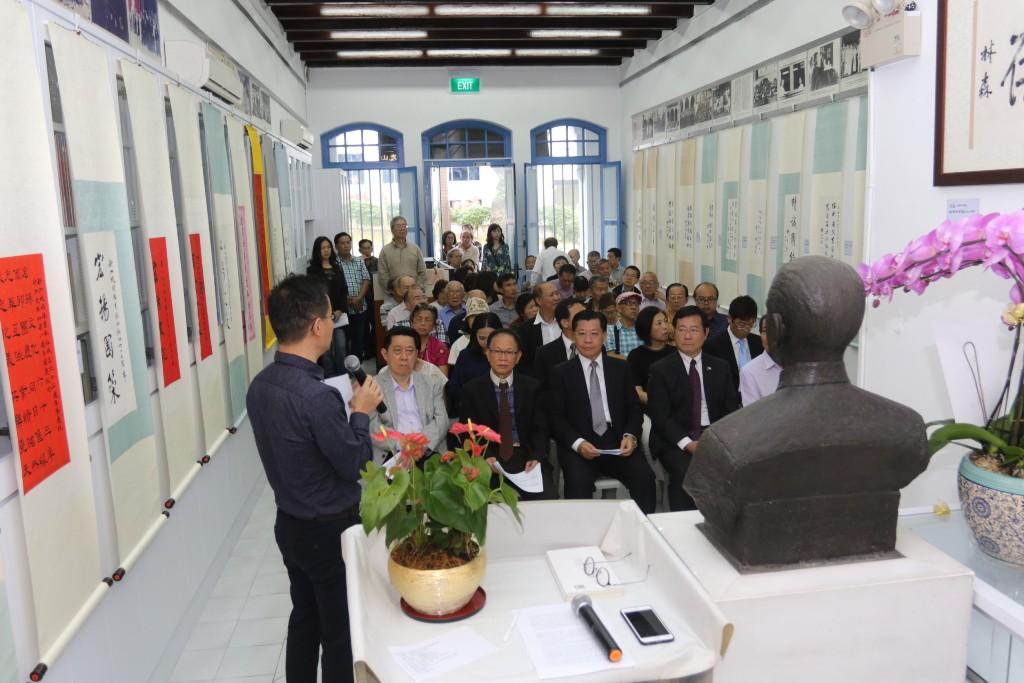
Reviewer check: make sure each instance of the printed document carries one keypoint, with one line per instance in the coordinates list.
(441, 655)
(560, 644)
(531, 482)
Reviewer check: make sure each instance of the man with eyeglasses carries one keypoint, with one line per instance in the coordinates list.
(705, 295)
(686, 393)
(737, 345)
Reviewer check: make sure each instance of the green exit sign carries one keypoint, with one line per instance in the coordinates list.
(464, 85)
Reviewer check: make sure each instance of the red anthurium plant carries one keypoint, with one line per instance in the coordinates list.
(434, 512)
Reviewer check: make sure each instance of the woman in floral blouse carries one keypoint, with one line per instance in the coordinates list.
(496, 258)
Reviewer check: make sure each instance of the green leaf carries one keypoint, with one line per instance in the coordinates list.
(478, 525)
(478, 492)
(942, 436)
(400, 523)
(511, 499)
(380, 497)
(444, 502)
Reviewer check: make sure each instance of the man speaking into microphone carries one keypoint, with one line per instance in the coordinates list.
(312, 454)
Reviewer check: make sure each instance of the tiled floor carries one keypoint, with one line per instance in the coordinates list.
(239, 637)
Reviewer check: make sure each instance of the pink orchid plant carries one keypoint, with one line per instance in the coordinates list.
(995, 242)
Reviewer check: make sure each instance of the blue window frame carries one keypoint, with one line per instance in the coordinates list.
(362, 145)
(455, 142)
(569, 141)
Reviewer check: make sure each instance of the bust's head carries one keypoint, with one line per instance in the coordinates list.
(815, 307)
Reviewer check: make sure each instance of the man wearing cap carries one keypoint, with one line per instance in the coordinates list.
(622, 338)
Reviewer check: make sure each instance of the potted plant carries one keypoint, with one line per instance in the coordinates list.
(991, 475)
(434, 515)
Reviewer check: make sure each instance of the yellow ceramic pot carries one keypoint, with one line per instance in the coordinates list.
(438, 591)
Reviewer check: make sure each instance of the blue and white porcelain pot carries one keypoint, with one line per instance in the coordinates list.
(993, 505)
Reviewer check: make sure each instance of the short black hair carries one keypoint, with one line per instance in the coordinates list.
(645, 321)
(567, 268)
(507, 333)
(420, 308)
(686, 312)
(598, 278)
(522, 301)
(633, 268)
(343, 234)
(607, 299)
(686, 291)
(439, 287)
(401, 331)
(594, 253)
(616, 251)
(709, 284)
(365, 241)
(562, 310)
(743, 307)
(503, 278)
(580, 284)
(294, 304)
(550, 242)
(584, 316)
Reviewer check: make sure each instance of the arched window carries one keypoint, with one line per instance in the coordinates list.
(360, 146)
(569, 141)
(467, 140)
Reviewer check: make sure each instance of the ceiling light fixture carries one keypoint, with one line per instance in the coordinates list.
(487, 10)
(596, 10)
(369, 9)
(469, 52)
(556, 52)
(380, 54)
(576, 33)
(859, 14)
(884, 6)
(378, 35)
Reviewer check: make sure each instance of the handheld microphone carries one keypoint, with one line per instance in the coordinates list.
(355, 368)
(584, 609)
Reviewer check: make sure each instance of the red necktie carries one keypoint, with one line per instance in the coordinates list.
(695, 399)
(504, 424)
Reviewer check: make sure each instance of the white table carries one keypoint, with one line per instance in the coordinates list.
(518, 577)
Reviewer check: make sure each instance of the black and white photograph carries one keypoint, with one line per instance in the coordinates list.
(688, 111)
(648, 124)
(111, 15)
(766, 85)
(705, 104)
(144, 25)
(672, 116)
(659, 120)
(721, 100)
(793, 78)
(822, 63)
(82, 8)
(849, 54)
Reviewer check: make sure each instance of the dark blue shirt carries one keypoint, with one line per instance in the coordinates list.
(311, 453)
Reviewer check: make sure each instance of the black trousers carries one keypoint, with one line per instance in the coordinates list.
(359, 335)
(312, 555)
(634, 472)
(676, 462)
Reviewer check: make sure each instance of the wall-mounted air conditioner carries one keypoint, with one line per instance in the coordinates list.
(297, 133)
(199, 65)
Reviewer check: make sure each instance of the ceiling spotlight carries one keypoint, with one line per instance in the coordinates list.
(576, 33)
(859, 14)
(596, 10)
(378, 35)
(380, 54)
(370, 9)
(469, 52)
(567, 52)
(487, 10)
(884, 6)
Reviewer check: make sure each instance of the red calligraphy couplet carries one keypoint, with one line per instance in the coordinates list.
(164, 310)
(205, 345)
(32, 369)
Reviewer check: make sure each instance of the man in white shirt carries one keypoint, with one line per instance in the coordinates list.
(760, 377)
(544, 267)
(649, 288)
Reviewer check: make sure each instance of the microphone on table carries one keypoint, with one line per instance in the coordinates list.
(355, 368)
(584, 609)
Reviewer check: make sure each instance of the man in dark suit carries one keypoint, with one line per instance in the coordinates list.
(509, 402)
(736, 344)
(593, 406)
(560, 350)
(677, 418)
(705, 295)
(543, 329)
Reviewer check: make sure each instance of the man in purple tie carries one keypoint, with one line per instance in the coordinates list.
(686, 392)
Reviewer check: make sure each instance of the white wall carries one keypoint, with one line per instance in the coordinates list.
(414, 99)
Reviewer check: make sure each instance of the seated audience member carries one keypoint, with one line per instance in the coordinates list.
(440, 295)
(561, 349)
(474, 307)
(509, 402)
(676, 296)
(396, 294)
(559, 262)
(630, 278)
(505, 305)
(565, 282)
(649, 288)
(456, 293)
(652, 327)
(400, 315)
(432, 349)
(737, 345)
(598, 287)
(686, 392)
(472, 362)
(469, 264)
(606, 305)
(592, 406)
(622, 337)
(705, 295)
(760, 377)
(454, 258)
(485, 283)
(604, 269)
(527, 278)
(415, 400)
(574, 259)
(592, 260)
(616, 273)
(544, 329)
(526, 310)
(581, 289)
(457, 325)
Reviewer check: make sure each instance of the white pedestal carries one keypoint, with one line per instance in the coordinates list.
(901, 620)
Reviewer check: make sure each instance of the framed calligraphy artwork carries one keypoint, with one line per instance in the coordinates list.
(979, 104)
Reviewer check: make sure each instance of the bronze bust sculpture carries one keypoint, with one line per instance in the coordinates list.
(813, 472)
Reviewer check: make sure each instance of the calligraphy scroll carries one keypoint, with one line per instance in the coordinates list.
(650, 232)
(707, 208)
(664, 255)
(786, 231)
(284, 193)
(165, 311)
(827, 179)
(728, 233)
(637, 205)
(260, 204)
(686, 212)
(756, 216)
(853, 236)
(195, 244)
(36, 400)
(279, 265)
